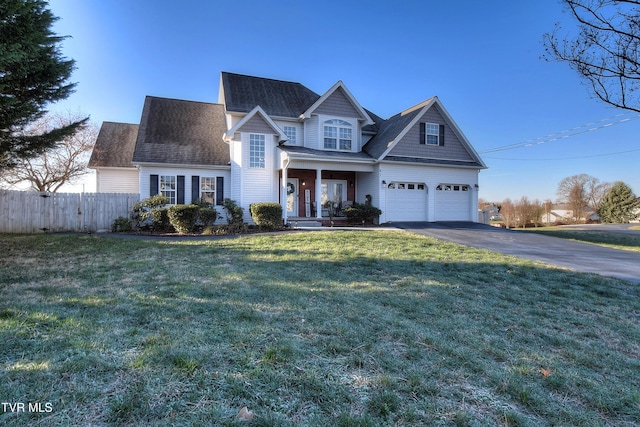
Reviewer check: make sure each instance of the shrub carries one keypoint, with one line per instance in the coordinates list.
(160, 220)
(208, 216)
(183, 217)
(235, 215)
(362, 213)
(121, 224)
(142, 213)
(266, 215)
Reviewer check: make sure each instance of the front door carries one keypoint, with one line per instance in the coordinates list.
(292, 196)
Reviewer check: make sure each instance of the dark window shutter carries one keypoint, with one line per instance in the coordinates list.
(153, 185)
(441, 139)
(180, 185)
(219, 190)
(423, 133)
(195, 188)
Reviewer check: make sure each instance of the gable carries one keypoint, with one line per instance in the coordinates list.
(256, 124)
(337, 104)
(453, 149)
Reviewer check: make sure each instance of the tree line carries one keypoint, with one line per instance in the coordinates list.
(584, 199)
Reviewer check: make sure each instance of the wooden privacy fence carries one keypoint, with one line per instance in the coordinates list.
(30, 212)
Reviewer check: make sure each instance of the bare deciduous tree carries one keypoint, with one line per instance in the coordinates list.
(582, 190)
(606, 50)
(527, 212)
(62, 164)
(508, 213)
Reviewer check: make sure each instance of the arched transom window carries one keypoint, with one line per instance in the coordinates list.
(337, 135)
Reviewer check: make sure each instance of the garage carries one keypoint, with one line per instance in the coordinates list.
(453, 202)
(406, 201)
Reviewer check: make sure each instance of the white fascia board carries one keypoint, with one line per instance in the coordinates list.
(228, 135)
(182, 166)
(434, 165)
(304, 158)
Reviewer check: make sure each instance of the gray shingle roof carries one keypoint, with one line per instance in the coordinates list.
(276, 97)
(114, 146)
(388, 131)
(174, 131)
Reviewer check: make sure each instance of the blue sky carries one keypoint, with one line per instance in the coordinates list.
(482, 59)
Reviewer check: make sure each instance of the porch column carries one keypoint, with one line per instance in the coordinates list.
(283, 193)
(318, 193)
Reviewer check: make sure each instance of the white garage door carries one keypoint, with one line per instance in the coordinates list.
(406, 201)
(453, 202)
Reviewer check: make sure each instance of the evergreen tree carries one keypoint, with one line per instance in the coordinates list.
(619, 205)
(33, 73)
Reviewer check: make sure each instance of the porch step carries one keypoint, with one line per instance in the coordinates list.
(304, 223)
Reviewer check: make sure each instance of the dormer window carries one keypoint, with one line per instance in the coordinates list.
(337, 135)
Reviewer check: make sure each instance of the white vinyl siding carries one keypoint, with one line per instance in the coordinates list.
(147, 171)
(431, 176)
(112, 180)
(255, 184)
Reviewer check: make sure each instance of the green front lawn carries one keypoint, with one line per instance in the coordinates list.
(610, 239)
(322, 328)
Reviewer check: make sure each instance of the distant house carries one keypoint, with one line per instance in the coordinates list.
(273, 140)
(563, 213)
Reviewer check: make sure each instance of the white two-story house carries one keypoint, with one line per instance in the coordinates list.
(278, 141)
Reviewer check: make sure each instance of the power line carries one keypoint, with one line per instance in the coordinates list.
(558, 136)
(566, 158)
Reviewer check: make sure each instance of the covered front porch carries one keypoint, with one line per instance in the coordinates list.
(319, 185)
(318, 194)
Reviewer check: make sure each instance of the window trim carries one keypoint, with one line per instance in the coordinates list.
(431, 134)
(292, 134)
(212, 190)
(340, 135)
(171, 193)
(257, 151)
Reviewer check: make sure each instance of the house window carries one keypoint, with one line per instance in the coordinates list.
(208, 189)
(452, 187)
(168, 188)
(292, 134)
(337, 135)
(256, 151)
(433, 134)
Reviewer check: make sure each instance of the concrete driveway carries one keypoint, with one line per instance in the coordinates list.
(577, 256)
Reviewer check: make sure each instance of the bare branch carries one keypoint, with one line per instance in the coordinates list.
(606, 50)
(64, 163)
